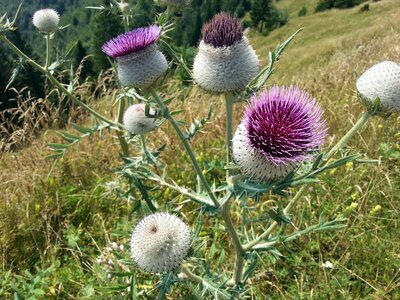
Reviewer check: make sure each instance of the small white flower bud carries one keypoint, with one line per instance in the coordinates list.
(46, 20)
(381, 80)
(136, 121)
(160, 242)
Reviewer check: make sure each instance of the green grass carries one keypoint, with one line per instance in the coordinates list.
(55, 224)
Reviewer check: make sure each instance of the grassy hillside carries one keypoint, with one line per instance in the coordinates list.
(58, 217)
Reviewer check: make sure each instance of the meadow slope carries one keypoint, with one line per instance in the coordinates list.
(61, 214)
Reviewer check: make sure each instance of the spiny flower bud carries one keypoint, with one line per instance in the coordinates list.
(225, 61)
(46, 20)
(140, 62)
(136, 121)
(280, 127)
(160, 242)
(381, 80)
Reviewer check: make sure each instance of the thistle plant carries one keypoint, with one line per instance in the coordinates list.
(278, 149)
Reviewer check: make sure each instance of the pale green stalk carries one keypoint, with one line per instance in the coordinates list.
(120, 135)
(224, 212)
(344, 140)
(186, 145)
(249, 246)
(229, 103)
(55, 82)
(46, 66)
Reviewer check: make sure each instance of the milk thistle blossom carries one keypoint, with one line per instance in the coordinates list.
(139, 61)
(381, 80)
(136, 121)
(46, 20)
(160, 242)
(281, 126)
(225, 61)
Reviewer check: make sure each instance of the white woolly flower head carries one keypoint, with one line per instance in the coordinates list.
(225, 61)
(136, 121)
(46, 20)
(381, 80)
(140, 62)
(160, 242)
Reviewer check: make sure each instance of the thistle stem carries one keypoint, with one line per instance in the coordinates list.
(120, 135)
(186, 145)
(209, 285)
(55, 82)
(229, 129)
(46, 66)
(237, 245)
(249, 246)
(343, 141)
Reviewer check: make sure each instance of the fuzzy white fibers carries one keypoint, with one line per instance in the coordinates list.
(136, 121)
(141, 68)
(46, 20)
(381, 80)
(160, 242)
(223, 69)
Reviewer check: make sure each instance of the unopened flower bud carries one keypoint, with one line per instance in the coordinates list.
(136, 121)
(46, 20)
(160, 242)
(381, 81)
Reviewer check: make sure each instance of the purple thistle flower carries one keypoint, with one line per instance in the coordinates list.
(280, 128)
(222, 31)
(132, 41)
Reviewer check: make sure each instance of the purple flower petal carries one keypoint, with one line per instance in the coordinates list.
(131, 41)
(284, 125)
(222, 31)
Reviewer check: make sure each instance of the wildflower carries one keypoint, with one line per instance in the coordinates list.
(328, 265)
(46, 20)
(139, 61)
(279, 130)
(381, 80)
(160, 242)
(136, 121)
(375, 210)
(225, 61)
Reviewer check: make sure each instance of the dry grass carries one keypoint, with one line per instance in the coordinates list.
(324, 59)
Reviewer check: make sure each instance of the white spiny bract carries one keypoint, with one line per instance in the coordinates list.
(136, 121)
(381, 80)
(160, 242)
(46, 20)
(223, 69)
(253, 163)
(142, 68)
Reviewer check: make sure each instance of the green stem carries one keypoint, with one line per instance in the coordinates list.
(343, 141)
(229, 129)
(249, 246)
(120, 135)
(186, 145)
(237, 245)
(54, 81)
(211, 286)
(46, 66)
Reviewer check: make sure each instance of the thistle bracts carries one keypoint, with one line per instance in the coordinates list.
(160, 242)
(280, 128)
(225, 61)
(140, 62)
(381, 81)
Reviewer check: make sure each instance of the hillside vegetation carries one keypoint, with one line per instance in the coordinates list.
(57, 217)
